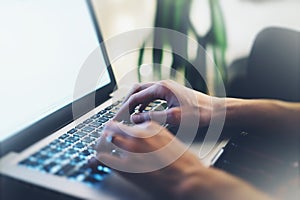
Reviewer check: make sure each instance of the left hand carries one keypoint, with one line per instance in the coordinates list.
(165, 169)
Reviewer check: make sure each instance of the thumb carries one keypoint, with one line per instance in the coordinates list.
(170, 116)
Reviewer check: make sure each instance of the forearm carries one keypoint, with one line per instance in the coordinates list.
(215, 185)
(263, 115)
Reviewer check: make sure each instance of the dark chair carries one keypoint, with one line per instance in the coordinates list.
(273, 67)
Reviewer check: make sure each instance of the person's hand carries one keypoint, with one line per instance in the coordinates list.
(149, 152)
(160, 173)
(183, 103)
(172, 173)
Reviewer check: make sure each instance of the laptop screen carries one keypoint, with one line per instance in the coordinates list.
(43, 45)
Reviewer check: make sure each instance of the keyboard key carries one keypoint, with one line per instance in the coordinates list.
(161, 107)
(77, 160)
(88, 129)
(73, 130)
(95, 134)
(151, 104)
(95, 124)
(79, 145)
(53, 151)
(39, 157)
(65, 170)
(157, 101)
(103, 170)
(84, 153)
(99, 130)
(79, 126)
(71, 152)
(165, 105)
(62, 145)
(109, 115)
(102, 120)
(102, 112)
(91, 149)
(71, 140)
(88, 139)
(113, 112)
(80, 134)
(92, 146)
(88, 121)
(63, 158)
(46, 149)
(43, 156)
(50, 166)
(148, 108)
(64, 136)
(96, 116)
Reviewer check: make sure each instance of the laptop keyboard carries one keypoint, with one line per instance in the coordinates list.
(67, 155)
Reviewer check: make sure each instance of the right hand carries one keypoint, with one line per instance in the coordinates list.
(183, 103)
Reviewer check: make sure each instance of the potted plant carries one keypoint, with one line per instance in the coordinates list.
(175, 15)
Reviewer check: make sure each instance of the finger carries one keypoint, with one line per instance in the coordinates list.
(136, 88)
(116, 129)
(123, 144)
(171, 116)
(113, 138)
(131, 133)
(143, 97)
(134, 100)
(124, 131)
(104, 143)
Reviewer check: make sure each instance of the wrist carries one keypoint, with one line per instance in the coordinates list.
(259, 114)
(194, 184)
(234, 112)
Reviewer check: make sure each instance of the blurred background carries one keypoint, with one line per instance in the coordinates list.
(225, 28)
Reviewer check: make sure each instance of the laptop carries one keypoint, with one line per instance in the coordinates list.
(52, 111)
(48, 126)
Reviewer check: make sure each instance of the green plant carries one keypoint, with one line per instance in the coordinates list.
(175, 15)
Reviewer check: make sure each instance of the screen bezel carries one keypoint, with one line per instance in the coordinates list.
(63, 116)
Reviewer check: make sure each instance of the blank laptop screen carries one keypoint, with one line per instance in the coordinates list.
(43, 45)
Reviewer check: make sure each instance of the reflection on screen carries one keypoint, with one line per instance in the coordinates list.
(43, 45)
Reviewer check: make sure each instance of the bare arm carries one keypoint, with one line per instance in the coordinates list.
(268, 115)
(260, 114)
